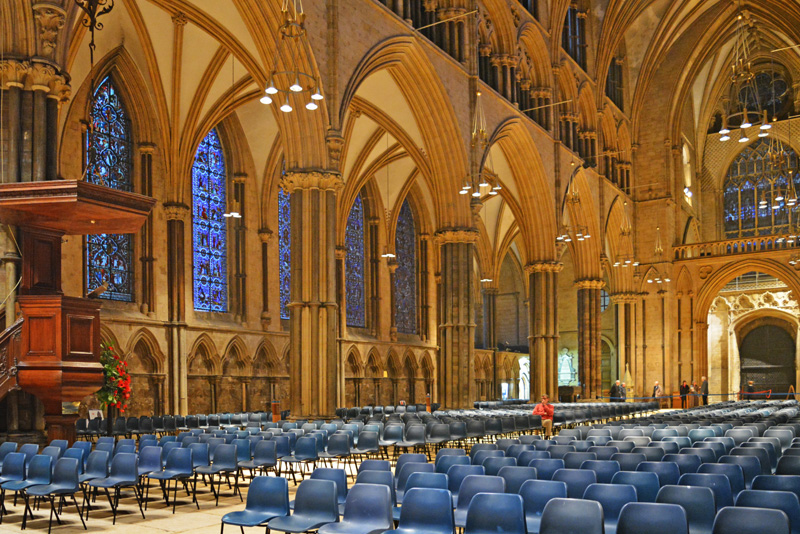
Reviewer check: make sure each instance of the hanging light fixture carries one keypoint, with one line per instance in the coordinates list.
(233, 212)
(625, 231)
(743, 104)
(477, 179)
(292, 45)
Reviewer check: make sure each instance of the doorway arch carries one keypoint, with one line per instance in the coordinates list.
(767, 356)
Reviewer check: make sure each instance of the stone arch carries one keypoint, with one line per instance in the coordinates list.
(537, 225)
(584, 213)
(428, 373)
(433, 111)
(146, 365)
(266, 372)
(373, 373)
(530, 38)
(410, 370)
(352, 377)
(619, 247)
(235, 380)
(204, 368)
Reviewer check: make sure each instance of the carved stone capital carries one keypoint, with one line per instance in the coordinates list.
(456, 235)
(299, 180)
(265, 234)
(341, 253)
(147, 148)
(623, 298)
(589, 283)
(544, 267)
(490, 288)
(176, 211)
(335, 143)
(33, 76)
(239, 177)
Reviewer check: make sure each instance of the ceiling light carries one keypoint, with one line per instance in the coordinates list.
(725, 137)
(317, 95)
(296, 87)
(746, 122)
(463, 192)
(266, 100)
(271, 89)
(311, 106)
(744, 139)
(476, 193)
(492, 192)
(286, 108)
(763, 133)
(724, 130)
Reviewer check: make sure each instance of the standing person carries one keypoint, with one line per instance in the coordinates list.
(658, 391)
(684, 391)
(751, 390)
(623, 392)
(614, 392)
(704, 390)
(545, 410)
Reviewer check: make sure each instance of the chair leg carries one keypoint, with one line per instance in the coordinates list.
(75, 501)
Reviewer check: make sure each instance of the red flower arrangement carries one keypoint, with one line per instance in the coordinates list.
(116, 388)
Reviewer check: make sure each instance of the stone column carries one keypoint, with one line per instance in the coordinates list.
(589, 336)
(177, 216)
(147, 260)
(391, 264)
(314, 312)
(543, 327)
(490, 292)
(456, 372)
(265, 234)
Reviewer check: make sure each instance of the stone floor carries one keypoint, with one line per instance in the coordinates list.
(159, 517)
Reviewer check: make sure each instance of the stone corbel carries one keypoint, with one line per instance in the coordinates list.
(176, 211)
(589, 283)
(50, 19)
(544, 267)
(456, 235)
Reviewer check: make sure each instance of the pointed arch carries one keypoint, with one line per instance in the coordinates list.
(203, 357)
(584, 214)
(145, 339)
(236, 358)
(434, 115)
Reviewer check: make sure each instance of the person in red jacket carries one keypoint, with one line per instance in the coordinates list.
(545, 409)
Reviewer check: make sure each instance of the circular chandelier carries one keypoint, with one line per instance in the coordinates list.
(743, 105)
(482, 179)
(292, 45)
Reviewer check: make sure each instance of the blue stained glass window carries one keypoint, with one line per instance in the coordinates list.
(209, 184)
(284, 250)
(354, 265)
(405, 278)
(109, 257)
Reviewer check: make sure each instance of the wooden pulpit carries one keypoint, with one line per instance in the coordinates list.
(55, 354)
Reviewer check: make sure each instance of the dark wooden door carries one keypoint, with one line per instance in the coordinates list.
(767, 356)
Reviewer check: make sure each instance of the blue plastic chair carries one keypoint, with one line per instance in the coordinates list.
(573, 460)
(427, 510)
(535, 495)
(515, 476)
(444, 463)
(777, 500)
(603, 452)
(577, 481)
(456, 475)
(315, 505)
(124, 474)
(697, 502)
(787, 465)
(719, 484)
(223, 464)
(178, 469)
(743, 520)
(638, 517)
(368, 509)
(426, 480)
(39, 474)
(526, 456)
(64, 484)
(545, 468)
(628, 461)
(646, 484)
(668, 472)
(612, 497)
(471, 486)
(490, 513)
(778, 483)
(571, 516)
(96, 466)
(732, 471)
(375, 465)
(687, 463)
(407, 458)
(264, 458)
(338, 476)
(604, 470)
(267, 498)
(558, 451)
(406, 471)
(76, 454)
(751, 467)
(492, 465)
(13, 470)
(480, 456)
(381, 478)
(5, 449)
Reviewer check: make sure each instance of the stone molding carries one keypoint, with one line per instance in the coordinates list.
(589, 284)
(265, 234)
(301, 180)
(624, 298)
(544, 267)
(456, 235)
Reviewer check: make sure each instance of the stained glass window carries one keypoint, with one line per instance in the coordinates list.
(284, 250)
(405, 278)
(354, 265)
(209, 184)
(755, 189)
(109, 257)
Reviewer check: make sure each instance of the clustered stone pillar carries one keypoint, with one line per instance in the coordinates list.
(456, 319)
(589, 337)
(625, 325)
(543, 327)
(490, 292)
(314, 312)
(177, 215)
